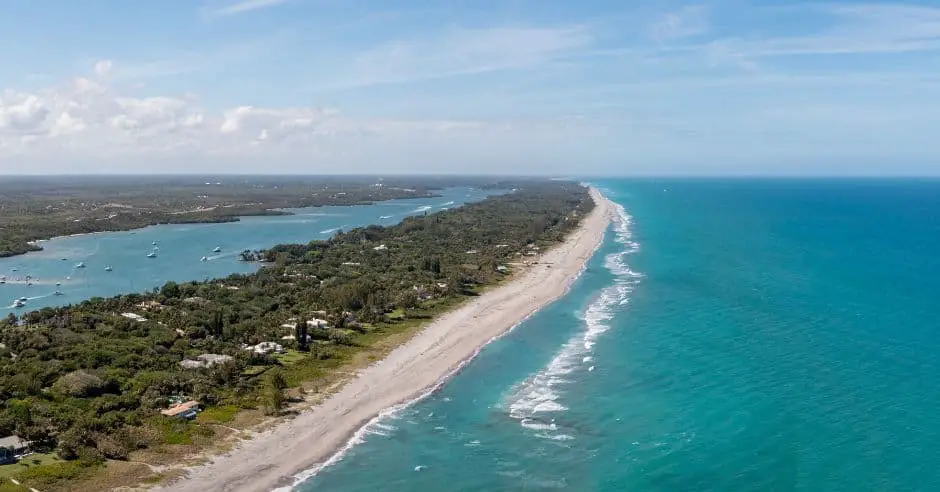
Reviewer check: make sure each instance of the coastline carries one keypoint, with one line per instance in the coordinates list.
(297, 448)
(267, 212)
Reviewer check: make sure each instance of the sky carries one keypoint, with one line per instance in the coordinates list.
(557, 87)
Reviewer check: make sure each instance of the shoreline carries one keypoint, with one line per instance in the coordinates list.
(268, 212)
(297, 449)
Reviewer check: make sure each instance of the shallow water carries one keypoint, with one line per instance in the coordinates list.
(731, 335)
(181, 248)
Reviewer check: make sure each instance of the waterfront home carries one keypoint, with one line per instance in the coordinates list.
(150, 305)
(185, 410)
(134, 317)
(11, 448)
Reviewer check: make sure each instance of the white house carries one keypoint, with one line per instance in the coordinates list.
(134, 317)
(266, 348)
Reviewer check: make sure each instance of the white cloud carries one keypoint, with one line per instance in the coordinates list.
(854, 30)
(88, 120)
(459, 52)
(245, 6)
(102, 67)
(687, 22)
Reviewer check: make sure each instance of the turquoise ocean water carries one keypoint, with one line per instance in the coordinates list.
(728, 336)
(181, 248)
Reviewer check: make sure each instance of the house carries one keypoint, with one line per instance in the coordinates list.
(186, 410)
(502, 268)
(292, 338)
(134, 317)
(205, 360)
(265, 348)
(150, 305)
(380, 247)
(317, 323)
(11, 448)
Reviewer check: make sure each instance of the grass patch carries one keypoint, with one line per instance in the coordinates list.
(398, 314)
(173, 431)
(50, 474)
(218, 415)
(7, 486)
(33, 460)
(254, 370)
(291, 356)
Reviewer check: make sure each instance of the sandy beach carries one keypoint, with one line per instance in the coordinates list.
(273, 458)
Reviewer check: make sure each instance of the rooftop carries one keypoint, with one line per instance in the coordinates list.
(13, 442)
(181, 408)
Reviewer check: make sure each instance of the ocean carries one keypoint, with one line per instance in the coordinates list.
(180, 248)
(729, 335)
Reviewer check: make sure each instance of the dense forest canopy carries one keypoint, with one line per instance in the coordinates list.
(89, 380)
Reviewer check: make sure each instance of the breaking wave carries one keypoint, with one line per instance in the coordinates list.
(535, 401)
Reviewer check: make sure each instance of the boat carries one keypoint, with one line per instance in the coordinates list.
(154, 243)
(152, 254)
(385, 217)
(58, 284)
(65, 259)
(204, 258)
(108, 268)
(23, 299)
(80, 265)
(217, 250)
(18, 303)
(57, 293)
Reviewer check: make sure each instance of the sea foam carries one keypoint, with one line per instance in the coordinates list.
(541, 394)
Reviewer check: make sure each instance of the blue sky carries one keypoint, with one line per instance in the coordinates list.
(554, 87)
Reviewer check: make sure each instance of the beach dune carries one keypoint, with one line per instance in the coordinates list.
(274, 457)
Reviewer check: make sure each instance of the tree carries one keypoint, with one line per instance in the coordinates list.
(273, 397)
(300, 333)
(276, 379)
(216, 324)
(170, 290)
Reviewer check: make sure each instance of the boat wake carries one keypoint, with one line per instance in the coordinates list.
(331, 231)
(534, 401)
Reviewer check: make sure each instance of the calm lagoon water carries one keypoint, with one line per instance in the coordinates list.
(181, 248)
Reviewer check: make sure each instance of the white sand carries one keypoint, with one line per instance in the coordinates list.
(271, 459)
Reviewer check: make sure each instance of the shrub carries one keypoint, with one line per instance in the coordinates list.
(80, 384)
